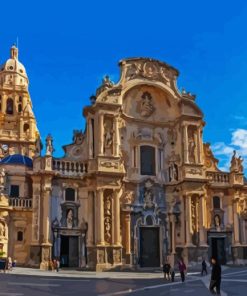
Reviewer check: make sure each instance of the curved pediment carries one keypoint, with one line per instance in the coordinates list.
(150, 103)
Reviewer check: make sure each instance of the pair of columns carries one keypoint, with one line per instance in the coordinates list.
(198, 144)
(115, 131)
(201, 221)
(96, 231)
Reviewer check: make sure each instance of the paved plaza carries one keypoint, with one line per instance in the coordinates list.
(30, 282)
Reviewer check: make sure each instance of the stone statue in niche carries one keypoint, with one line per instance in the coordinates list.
(69, 219)
(236, 163)
(193, 215)
(146, 105)
(148, 195)
(49, 145)
(108, 206)
(173, 172)
(217, 221)
(108, 135)
(2, 229)
(108, 229)
(2, 179)
(192, 148)
(107, 218)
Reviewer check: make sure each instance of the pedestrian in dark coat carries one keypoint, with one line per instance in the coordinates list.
(166, 270)
(172, 274)
(204, 267)
(215, 277)
(182, 269)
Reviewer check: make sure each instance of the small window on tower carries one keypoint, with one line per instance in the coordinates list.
(20, 236)
(19, 108)
(10, 107)
(26, 127)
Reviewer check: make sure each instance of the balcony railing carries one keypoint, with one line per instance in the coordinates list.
(18, 202)
(218, 177)
(70, 168)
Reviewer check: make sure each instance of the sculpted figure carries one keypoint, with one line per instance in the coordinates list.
(217, 221)
(108, 135)
(70, 219)
(49, 145)
(192, 148)
(173, 172)
(2, 229)
(146, 107)
(2, 179)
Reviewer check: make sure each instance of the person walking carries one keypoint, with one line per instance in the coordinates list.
(204, 267)
(215, 277)
(172, 274)
(182, 269)
(58, 265)
(166, 270)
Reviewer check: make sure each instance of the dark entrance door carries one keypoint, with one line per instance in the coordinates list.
(218, 249)
(149, 247)
(69, 251)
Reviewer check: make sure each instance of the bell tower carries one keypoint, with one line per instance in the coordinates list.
(18, 128)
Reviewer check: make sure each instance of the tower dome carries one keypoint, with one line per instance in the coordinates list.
(12, 72)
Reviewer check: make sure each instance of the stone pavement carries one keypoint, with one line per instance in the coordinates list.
(157, 274)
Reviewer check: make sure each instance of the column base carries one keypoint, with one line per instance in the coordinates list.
(104, 257)
(45, 256)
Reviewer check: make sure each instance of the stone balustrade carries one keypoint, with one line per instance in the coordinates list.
(218, 177)
(70, 168)
(18, 202)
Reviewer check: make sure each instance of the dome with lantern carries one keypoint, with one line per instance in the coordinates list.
(12, 72)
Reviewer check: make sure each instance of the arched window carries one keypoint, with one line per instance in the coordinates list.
(148, 160)
(20, 236)
(70, 194)
(216, 202)
(25, 127)
(10, 106)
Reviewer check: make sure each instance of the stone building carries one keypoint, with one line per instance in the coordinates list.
(137, 186)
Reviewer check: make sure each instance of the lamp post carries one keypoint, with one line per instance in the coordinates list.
(55, 225)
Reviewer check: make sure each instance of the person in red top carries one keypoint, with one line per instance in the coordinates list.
(182, 269)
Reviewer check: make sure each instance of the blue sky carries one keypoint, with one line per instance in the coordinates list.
(67, 46)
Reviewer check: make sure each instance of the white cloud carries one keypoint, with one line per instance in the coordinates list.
(239, 138)
(224, 151)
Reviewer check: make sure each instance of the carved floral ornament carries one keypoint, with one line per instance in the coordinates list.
(150, 70)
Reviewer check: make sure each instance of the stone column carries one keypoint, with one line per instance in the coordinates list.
(46, 214)
(185, 140)
(90, 240)
(117, 219)
(188, 221)
(101, 134)
(116, 137)
(173, 249)
(202, 240)
(236, 223)
(89, 137)
(127, 233)
(99, 227)
(200, 145)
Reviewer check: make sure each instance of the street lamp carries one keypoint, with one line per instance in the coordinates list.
(55, 225)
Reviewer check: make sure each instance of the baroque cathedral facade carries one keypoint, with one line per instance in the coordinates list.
(138, 186)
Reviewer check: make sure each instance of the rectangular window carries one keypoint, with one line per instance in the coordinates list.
(148, 161)
(14, 191)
